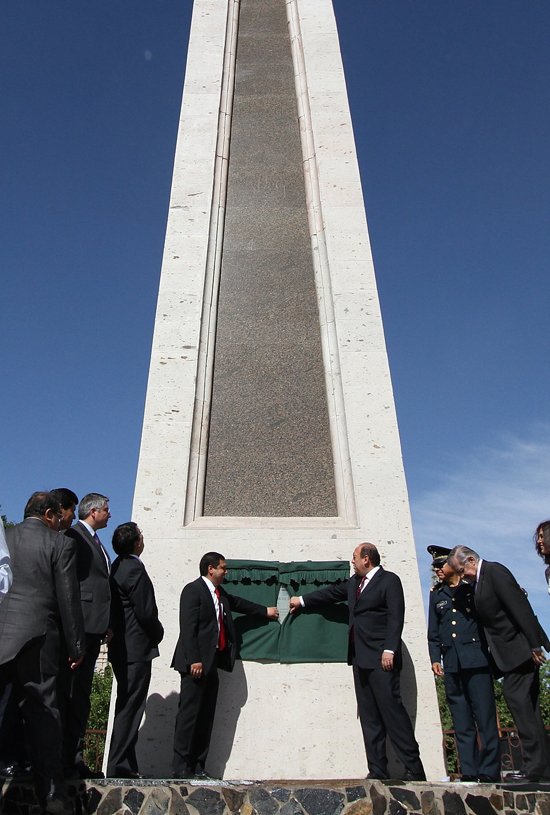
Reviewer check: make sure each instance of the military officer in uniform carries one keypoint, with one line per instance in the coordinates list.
(456, 639)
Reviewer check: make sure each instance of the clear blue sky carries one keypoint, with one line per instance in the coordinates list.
(450, 106)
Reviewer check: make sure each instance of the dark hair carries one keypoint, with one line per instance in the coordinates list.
(545, 527)
(125, 537)
(65, 498)
(369, 550)
(39, 503)
(209, 559)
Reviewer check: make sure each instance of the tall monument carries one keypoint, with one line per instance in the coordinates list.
(270, 432)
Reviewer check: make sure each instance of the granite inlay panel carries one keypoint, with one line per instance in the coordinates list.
(269, 451)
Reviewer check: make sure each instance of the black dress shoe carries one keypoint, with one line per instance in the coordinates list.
(16, 771)
(521, 776)
(202, 774)
(410, 776)
(86, 772)
(487, 779)
(467, 778)
(375, 777)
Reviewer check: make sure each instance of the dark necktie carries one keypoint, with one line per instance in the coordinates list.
(221, 635)
(103, 552)
(360, 586)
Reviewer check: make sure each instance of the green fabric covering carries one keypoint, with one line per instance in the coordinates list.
(319, 635)
(258, 581)
(312, 573)
(251, 570)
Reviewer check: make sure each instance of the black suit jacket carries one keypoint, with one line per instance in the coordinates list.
(134, 615)
(93, 576)
(376, 616)
(513, 631)
(44, 594)
(198, 637)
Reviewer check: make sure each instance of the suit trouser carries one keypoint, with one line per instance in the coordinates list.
(73, 691)
(36, 693)
(133, 680)
(382, 713)
(470, 694)
(194, 721)
(13, 750)
(521, 691)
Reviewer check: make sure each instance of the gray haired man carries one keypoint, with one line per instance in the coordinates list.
(515, 639)
(92, 565)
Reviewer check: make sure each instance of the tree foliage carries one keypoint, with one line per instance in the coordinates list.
(100, 699)
(5, 521)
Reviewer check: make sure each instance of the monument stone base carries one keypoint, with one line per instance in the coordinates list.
(336, 797)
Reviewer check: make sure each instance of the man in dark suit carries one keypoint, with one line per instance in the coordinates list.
(456, 639)
(515, 639)
(206, 642)
(13, 754)
(376, 614)
(67, 506)
(43, 595)
(74, 688)
(136, 635)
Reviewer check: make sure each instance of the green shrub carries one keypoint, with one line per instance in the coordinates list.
(99, 713)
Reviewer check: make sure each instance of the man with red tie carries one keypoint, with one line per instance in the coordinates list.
(206, 642)
(376, 614)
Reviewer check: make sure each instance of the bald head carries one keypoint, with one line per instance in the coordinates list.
(365, 558)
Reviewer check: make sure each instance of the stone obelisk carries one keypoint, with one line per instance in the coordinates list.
(270, 430)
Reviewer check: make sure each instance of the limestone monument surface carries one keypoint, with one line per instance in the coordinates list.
(270, 431)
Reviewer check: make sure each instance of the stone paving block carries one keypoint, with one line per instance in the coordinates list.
(479, 804)
(291, 807)
(133, 800)
(396, 808)
(262, 801)
(111, 803)
(428, 804)
(453, 804)
(379, 803)
(248, 809)
(233, 798)
(508, 799)
(281, 794)
(360, 807)
(496, 801)
(317, 801)
(177, 804)
(156, 803)
(207, 801)
(354, 793)
(406, 797)
(91, 799)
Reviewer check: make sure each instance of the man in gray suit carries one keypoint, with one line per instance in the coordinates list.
(74, 687)
(44, 592)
